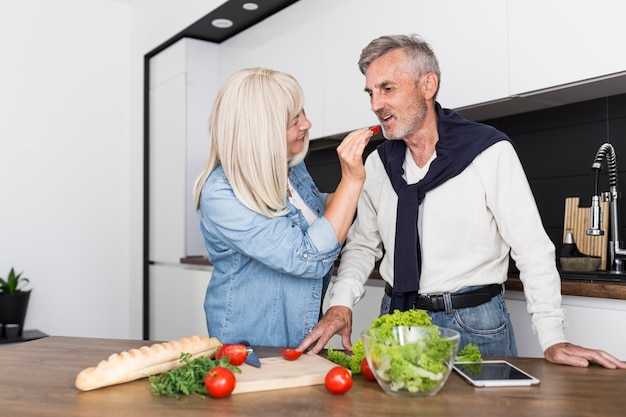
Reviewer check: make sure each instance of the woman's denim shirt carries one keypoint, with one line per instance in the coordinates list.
(269, 274)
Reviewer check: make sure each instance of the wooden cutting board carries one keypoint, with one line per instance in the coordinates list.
(279, 373)
(577, 219)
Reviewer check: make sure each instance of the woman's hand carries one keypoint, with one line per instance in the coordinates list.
(341, 205)
(350, 153)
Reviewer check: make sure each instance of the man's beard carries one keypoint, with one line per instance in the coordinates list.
(401, 131)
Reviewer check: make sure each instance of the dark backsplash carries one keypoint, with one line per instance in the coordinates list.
(556, 146)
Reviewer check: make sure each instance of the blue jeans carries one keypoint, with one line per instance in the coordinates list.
(487, 325)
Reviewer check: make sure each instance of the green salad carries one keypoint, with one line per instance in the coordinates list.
(413, 367)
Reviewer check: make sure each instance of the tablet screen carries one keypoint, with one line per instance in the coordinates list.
(494, 373)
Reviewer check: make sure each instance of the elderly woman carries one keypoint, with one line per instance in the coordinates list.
(271, 235)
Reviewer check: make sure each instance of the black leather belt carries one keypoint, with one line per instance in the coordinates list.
(471, 298)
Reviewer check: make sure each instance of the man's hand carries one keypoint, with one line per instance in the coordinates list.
(574, 355)
(337, 320)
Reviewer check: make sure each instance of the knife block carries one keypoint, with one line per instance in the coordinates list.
(577, 219)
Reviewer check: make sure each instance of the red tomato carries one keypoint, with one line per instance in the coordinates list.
(375, 129)
(220, 382)
(366, 371)
(290, 354)
(338, 380)
(237, 353)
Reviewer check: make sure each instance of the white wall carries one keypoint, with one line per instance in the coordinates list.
(71, 142)
(64, 135)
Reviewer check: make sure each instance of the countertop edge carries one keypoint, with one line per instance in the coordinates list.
(588, 285)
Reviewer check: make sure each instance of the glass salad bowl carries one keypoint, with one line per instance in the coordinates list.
(411, 361)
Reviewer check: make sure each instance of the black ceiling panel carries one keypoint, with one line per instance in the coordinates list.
(233, 10)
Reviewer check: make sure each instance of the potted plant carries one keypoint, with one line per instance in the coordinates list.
(13, 302)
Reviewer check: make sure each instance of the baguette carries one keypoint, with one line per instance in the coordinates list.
(145, 361)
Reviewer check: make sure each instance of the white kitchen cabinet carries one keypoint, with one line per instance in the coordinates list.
(314, 51)
(167, 170)
(557, 42)
(469, 39)
(592, 322)
(345, 104)
(183, 85)
(177, 301)
(284, 42)
(497, 57)
(323, 50)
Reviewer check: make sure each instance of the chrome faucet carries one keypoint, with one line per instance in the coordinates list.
(617, 254)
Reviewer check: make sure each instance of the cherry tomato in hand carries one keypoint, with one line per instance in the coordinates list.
(366, 371)
(338, 380)
(290, 354)
(219, 382)
(375, 129)
(237, 353)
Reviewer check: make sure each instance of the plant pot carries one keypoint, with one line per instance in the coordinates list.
(13, 311)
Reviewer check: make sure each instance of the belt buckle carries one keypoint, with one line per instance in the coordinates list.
(437, 303)
(422, 303)
(430, 303)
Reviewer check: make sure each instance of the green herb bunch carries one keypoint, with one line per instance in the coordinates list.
(187, 379)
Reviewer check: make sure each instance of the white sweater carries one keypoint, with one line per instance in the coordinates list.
(467, 226)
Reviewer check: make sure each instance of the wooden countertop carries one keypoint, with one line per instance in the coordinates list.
(598, 285)
(37, 379)
(581, 288)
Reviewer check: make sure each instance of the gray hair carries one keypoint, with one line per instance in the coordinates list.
(420, 54)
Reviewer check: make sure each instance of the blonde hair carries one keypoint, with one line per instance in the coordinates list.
(248, 130)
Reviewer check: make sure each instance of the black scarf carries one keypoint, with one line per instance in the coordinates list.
(460, 141)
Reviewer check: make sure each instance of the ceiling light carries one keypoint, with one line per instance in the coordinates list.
(250, 6)
(222, 23)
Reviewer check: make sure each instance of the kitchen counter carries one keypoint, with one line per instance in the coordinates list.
(583, 284)
(37, 379)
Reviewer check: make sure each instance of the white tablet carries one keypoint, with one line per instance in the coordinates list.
(494, 374)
